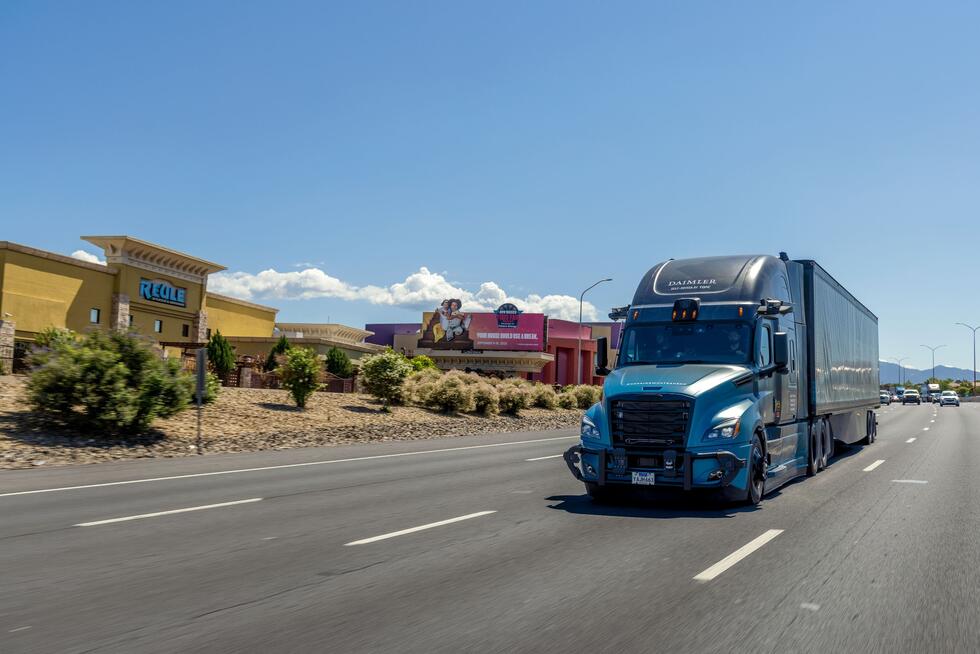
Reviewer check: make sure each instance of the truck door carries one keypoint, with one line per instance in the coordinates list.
(786, 395)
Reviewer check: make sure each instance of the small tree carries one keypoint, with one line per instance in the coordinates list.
(281, 347)
(422, 362)
(338, 363)
(221, 356)
(383, 376)
(300, 374)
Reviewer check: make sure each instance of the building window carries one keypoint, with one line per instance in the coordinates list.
(94, 315)
(209, 334)
(130, 320)
(158, 326)
(185, 331)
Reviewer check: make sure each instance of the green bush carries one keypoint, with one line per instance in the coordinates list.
(338, 363)
(281, 347)
(513, 397)
(567, 401)
(221, 356)
(452, 393)
(544, 396)
(420, 385)
(212, 386)
(586, 395)
(383, 376)
(114, 383)
(486, 401)
(422, 362)
(300, 374)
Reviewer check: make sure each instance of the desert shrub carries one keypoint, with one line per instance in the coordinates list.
(114, 383)
(513, 397)
(486, 401)
(422, 362)
(338, 363)
(420, 385)
(586, 395)
(221, 356)
(383, 376)
(567, 400)
(452, 394)
(212, 386)
(281, 347)
(544, 396)
(300, 374)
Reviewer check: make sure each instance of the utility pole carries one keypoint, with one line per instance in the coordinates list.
(973, 391)
(899, 362)
(929, 347)
(578, 351)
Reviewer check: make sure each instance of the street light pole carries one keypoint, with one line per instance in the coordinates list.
(973, 391)
(899, 362)
(578, 351)
(929, 347)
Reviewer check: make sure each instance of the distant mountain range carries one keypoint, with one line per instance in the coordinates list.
(888, 373)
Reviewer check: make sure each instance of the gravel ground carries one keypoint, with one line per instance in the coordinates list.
(247, 420)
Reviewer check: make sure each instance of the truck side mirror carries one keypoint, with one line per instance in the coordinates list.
(780, 351)
(602, 356)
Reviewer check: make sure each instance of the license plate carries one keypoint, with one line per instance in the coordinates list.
(643, 478)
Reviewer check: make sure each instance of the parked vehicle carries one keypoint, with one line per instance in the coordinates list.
(885, 397)
(911, 396)
(716, 386)
(949, 398)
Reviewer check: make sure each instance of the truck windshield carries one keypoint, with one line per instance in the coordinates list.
(709, 342)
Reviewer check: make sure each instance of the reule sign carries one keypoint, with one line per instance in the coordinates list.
(163, 291)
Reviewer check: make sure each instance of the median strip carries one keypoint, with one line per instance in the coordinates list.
(412, 530)
(160, 513)
(737, 555)
(874, 465)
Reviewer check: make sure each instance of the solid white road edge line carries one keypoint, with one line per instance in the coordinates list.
(737, 556)
(412, 530)
(874, 465)
(283, 466)
(160, 513)
(911, 440)
(542, 458)
(909, 481)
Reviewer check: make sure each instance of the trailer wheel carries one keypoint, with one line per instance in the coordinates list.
(871, 427)
(826, 444)
(812, 450)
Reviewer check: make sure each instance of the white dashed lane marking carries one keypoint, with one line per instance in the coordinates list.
(412, 530)
(874, 465)
(737, 555)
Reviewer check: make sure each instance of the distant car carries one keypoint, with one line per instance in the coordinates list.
(895, 398)
(885, 397)
(936, 398)
(949, 398)
(911, 397)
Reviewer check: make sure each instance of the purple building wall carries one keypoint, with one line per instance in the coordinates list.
(384, 332)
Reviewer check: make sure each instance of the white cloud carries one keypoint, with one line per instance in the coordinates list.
(82, 255)
(422, 290)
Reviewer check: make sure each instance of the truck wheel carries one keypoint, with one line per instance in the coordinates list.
(813, 450)
(757, 473)
(871, 425)
(601, 494)
(826, 444)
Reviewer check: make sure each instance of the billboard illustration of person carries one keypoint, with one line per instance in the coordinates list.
(454, 322)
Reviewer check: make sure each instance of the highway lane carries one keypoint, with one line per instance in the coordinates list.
(862, 562)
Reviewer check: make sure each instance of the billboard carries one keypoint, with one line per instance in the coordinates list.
(507, 328)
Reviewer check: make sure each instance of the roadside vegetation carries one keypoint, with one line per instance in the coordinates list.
(393, 378)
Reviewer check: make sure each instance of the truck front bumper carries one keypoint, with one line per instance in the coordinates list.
(690, 470)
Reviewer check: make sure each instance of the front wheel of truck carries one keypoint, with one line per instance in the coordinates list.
(757, 473)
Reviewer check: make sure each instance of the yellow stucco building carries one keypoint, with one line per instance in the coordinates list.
(157, 291)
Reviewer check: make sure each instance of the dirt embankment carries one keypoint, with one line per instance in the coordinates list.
(246, 420)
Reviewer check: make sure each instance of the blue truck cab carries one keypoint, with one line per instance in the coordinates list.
(735, 375)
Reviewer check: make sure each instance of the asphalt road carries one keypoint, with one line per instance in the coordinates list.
(864, 557)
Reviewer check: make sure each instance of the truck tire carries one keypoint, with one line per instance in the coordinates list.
(813, 450)
(756, 473)
(871, 425)
(826, 444)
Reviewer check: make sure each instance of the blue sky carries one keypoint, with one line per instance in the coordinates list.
(535, 146)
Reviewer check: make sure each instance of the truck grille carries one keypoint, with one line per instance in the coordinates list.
(650, 421)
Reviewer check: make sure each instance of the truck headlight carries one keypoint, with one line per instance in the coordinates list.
(589, 430)
(728, 429)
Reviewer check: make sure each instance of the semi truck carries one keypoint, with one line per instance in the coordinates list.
(735, 375)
